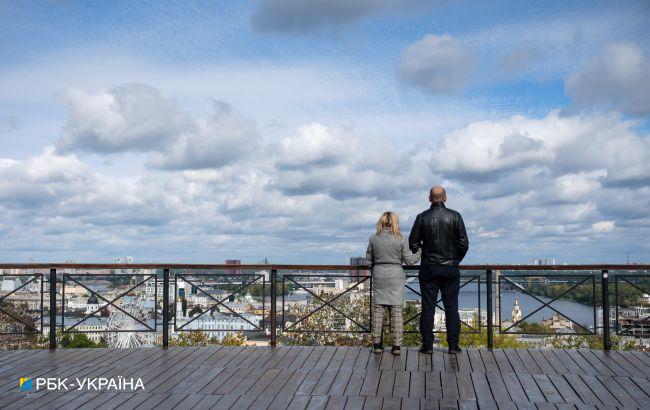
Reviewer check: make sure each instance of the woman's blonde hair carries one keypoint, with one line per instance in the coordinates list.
(389, 220)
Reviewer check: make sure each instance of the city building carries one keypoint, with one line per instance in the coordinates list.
(234, 270)
(359, 261)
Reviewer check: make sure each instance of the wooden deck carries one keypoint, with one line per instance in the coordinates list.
(333, 378)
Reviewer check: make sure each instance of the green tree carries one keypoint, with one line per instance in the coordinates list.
(233, 339)
(193, 338)
(79, 340)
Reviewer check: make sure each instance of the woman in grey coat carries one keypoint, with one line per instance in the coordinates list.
(387, 251)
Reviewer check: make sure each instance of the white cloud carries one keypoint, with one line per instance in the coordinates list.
(437, 64)
(222, 139)
(617, 79)
(603, 226)
(130, 117)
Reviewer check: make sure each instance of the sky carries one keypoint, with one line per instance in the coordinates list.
(199, 131)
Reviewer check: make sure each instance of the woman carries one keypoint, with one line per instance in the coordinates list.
(387, 251)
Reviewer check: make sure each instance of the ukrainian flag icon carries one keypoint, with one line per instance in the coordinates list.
(25, 384)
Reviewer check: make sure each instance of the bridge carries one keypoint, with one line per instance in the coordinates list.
(335, 377)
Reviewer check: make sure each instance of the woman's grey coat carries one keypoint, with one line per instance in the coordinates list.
(386, 253)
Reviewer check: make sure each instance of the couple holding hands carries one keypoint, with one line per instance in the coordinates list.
(438, 239)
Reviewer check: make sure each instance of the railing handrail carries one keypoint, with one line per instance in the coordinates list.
(590, 267)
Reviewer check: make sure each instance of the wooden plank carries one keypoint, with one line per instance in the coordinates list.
(411, 359)
(528, 361)
(290, 388)
(386, 383)
(351, 356)
(362, 359)
(402, 382)
(264, 381)
(356, 382)
(623, 361)
(373, 403)
(608, 361)
(309, 382)
(547, 387)
(313, 357)
(277, 383)
(305, 351)
(449, 386)
(582, 390)
(243, 402)
(261, 402)
(325, 381)
(433, 386)
(475, 360)
(595, 363)
(489, 361)
(370, 383)
(425, 361)
(386, 360)
(465, 386)
(580, 361)
(498, 387)
(207, 402)
(599, 390)
(417, 385)
(337, 358)
(617, 391)
(540, 360)
(299, 402)
(317, 402)
(336, 402)
(392, 403)
(640, 396)
(355, 402)
(280, 402)
(564, 388)
(325, 358)
(533, 392)
(429, 404)
(340, 382)
(438, 360)
(410, 403)
(502, 361)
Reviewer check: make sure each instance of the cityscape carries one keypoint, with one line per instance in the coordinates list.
(121, 308)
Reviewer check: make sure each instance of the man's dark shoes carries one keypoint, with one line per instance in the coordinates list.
(455, 349)
(377, 348)
(396, 350)
(426, 350)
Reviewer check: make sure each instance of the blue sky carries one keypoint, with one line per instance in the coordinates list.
(200, 131)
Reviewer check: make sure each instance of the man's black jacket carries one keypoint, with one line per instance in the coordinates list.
(440, 233)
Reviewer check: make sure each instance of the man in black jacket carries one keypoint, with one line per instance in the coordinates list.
(440, 233)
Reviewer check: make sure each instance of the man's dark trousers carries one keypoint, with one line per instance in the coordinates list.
(445, 279)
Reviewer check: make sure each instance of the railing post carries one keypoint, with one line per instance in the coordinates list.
(273, 313)
(52, 308)
(490, 327)
(607, 341)
(165, 335)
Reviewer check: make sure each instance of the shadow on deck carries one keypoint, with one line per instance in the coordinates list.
(331, 377)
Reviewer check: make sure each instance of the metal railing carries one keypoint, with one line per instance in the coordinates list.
(54, 276)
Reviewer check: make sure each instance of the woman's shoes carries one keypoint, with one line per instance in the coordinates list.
(377, 348)
(396, 350)
(426, 350)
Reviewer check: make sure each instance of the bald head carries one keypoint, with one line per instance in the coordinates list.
(437, 195)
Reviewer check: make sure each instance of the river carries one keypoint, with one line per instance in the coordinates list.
(468, 298)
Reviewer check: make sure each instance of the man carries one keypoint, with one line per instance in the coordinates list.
(440, 233)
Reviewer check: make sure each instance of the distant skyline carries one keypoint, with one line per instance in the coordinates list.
(204, 131)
